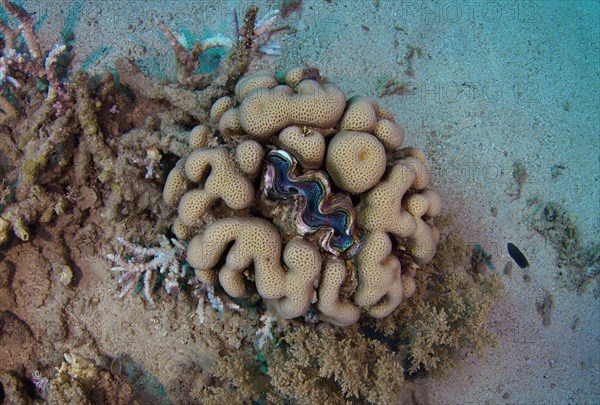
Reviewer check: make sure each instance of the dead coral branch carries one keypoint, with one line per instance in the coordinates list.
(102, 156)
(26, 26)
(195, 100)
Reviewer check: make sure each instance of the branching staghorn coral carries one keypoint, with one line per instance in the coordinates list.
(59, 137)
(188, 53)
(139, 263)
(43, 129)
(17, 69)
(148, 267)
(196, 101)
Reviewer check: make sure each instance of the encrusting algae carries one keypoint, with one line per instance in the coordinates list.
(296, 231)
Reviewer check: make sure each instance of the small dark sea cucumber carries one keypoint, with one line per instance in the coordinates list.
(517, 255)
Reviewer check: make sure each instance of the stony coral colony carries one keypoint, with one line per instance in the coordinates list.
(309, 195)
(286, 188)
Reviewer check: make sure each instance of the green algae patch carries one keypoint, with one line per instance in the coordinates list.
(578, 262)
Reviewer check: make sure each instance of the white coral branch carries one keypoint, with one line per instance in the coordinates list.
(264, 24)
(139, 263)
(263, 29)
(41, 383)
(265, 333)
(204, 293)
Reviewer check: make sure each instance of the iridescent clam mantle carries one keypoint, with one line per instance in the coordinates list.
(317, 209)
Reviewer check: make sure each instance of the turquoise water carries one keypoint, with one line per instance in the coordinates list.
(488, 85)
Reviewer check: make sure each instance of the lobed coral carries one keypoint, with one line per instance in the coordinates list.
(308, 242)
(266, 196)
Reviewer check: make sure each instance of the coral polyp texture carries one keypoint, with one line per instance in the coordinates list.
(307, 198)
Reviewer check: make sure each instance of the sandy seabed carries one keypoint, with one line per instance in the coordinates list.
(489, 85)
